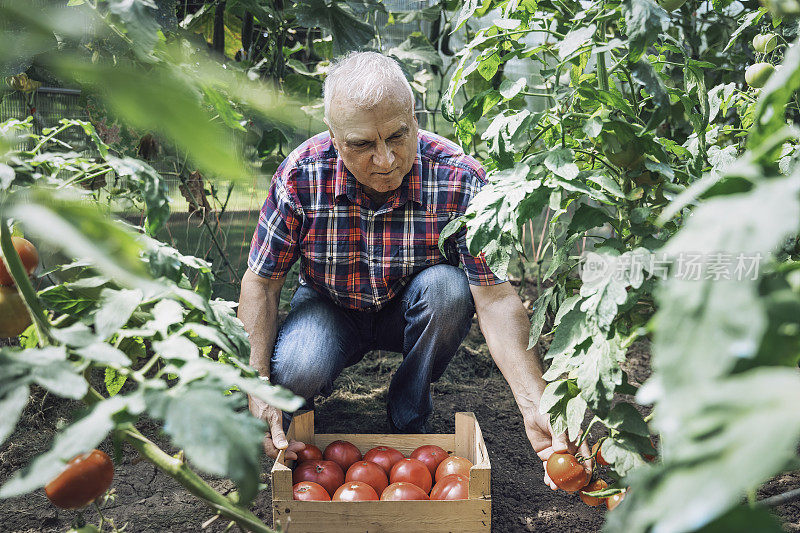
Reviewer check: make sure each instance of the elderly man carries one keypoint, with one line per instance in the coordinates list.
(362, 205)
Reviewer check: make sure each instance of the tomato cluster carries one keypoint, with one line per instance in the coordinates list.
(15, 317)
(341, 473)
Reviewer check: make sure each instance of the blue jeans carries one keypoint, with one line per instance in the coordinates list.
(426, 322)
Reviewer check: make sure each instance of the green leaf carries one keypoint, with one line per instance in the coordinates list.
(105, 354)
(750, 18)
(509, 89)
(642, 71)
(348, 32)
(47, 367)
(625, 418)
(417, 49)
(745, 520)
(598, 374)
(587, 217)
(116, 308)
(645, 21)
(561, 162)
(114, 381)
(539, 316)
(151, 186)
(575, 40)
(771, 108)
(624, 451)
(605, 281)
(12, 401)
(467, 10)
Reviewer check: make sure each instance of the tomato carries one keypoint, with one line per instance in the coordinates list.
(84, 479)
(370, 473)
(431, 455)
(613, 501)
(14, 317)
(451, 487)
(412, 471)
(383, 456)
(757, 75)
(765, 43)
(598, 457)
(326, 473)
(342, 453)
(403, 491)
(30, 260)
(453, 465)
(355, 491)
(309, 453)
(566, 472)
(595, 485)
(308, 491)
(671, 5)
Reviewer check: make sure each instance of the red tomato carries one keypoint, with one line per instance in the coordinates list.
(451, 487)
(309, 453)
(566, 472)
(431, 455)
(370, 473)
(326, 473)
(383, 456)
(355, 491)
(453, 465)
(598, 457)
(613, 501)
(342, 453)
(309, 491)
(403, 491)
(30, 260)
(591, 501)
(84, 479)
(412, 471)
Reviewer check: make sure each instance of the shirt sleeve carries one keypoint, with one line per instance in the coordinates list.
(476, 268)
(275, 244)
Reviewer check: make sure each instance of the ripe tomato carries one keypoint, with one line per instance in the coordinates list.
(309, 453)
(613, 501)
(412, 471)
(30, 259)
(383, 456)
(14, 317)
(566, 472)
(342, 453)
(355, 491)
(326, 473)
(453, 465)
(598, 457)
(85, 478)
(756, 75)
(309, 491)
(370, 473)
(431, 455)
(451, 487)
(595, 485)
(403, 491)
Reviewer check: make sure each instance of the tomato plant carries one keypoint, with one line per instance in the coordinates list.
(14, 317)
(368, 472)
(309, 453)
(431, 455)
(342, 453)
(451, 487)
(412, 471)
(354, 491)
(593, 486)
(453, 465)
(402, 490)
(566, 472)
(84, 479)
(325, 473)
(27, 253)
(310, 491)
(383, 456)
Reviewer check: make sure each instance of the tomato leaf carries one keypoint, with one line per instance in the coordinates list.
(539, 316)
(646, 20)
(13, 400)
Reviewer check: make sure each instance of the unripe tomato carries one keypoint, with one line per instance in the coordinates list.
(326, 473)
(671, 5)
(613, 501)
(453, 465)
(342, 453)
(451, 487)
(595, 485)
(370, 473)
(85, 478)
(403, 491)
(431, 455)
(765, 43)
(30, 260)
(308, 491)
(598, 457)
(757, 75)
(355, 491)
(383, 456)
(566, 472)
(14, 317)
(309, 453)
(412, 471)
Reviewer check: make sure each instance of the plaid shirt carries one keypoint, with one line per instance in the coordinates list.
(361, 255)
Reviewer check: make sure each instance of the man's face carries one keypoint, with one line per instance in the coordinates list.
(377, 145)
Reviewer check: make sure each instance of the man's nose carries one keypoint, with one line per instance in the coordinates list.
(383, 157)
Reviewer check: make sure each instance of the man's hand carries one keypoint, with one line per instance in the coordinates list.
(545, 444)
(275, 440)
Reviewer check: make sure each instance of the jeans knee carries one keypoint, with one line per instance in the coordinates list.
(444, 292)
(301, 367)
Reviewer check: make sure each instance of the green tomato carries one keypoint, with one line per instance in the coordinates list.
(765, 43)
(757, 75)
(671, 5)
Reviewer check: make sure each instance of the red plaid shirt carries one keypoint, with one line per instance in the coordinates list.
(359, 256)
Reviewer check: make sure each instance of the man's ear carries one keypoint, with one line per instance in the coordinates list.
(330, 132)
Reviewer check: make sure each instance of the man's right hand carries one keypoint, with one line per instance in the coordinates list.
(275, 439)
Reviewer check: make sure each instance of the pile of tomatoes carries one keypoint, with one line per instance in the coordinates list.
(341, 473)
(14, 315)
(569, 475)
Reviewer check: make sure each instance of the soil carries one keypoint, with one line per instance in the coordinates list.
(148, 501)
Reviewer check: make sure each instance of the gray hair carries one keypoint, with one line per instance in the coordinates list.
(364, 78)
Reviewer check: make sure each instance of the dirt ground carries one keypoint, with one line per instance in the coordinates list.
(149, 501)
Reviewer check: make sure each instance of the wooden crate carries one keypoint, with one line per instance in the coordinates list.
(471, 515)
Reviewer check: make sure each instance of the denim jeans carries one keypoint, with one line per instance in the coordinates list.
(426, 322)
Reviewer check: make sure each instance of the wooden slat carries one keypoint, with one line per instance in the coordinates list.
(467, 516)
(405, 443)
(303, 426)
(465, 436)
(469, 441)
(281, 480)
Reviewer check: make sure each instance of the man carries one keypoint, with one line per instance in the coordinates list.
(362, 206)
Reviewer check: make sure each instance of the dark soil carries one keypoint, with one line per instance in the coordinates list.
(147, 500)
